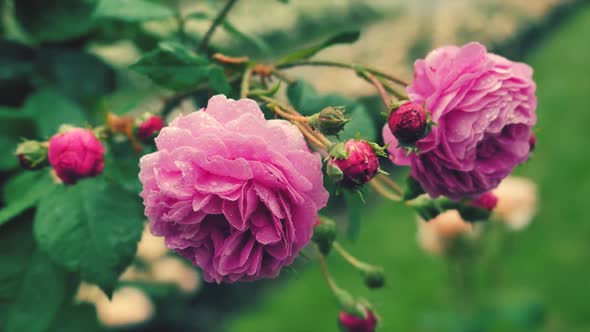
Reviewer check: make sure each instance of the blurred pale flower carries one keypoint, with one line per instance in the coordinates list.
(175, 271)
(435, 235)
(517, 202)
(129, 305)
(150, 247)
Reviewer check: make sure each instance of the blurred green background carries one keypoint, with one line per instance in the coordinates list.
(547, 263)
(544, 269)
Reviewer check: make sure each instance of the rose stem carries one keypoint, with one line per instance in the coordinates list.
(384, 96)
(216, 22)
(245, 86)
(344, 65)
(391, 183)
(348, 257)
(379, 187)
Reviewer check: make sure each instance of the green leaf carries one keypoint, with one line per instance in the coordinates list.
(303, 97)
(77, 75)
(122, 165)
(354, 207)
(218, 80)
(341, 38)
(55, 20)
(32, 288)
(257, 42)
(43, 289)
(8, 160)
(16, 61)
(76, 318)
(23, 192)
(91, 228)
(51, 110)
(199, 16)
(361, 123)
(16, 124)
(16, 248)
(174, 67)
(132, 10)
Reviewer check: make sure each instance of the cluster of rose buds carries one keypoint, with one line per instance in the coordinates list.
(238, 195)
(74, 153)
(77, 153)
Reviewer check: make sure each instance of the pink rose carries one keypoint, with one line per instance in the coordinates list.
(484, 106)
(233, 193)
(76, 154)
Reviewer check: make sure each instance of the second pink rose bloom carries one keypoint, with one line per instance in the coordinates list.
(484, 106)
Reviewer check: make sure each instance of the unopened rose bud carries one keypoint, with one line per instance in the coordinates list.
(352, 323)
(533, 141)
(353, 163)
(324, 234)
(330, 121)
(32, 155)
(487, 201)
(149, 127)
(76, 153)
(479, 208)
(409, 123)
(374, 277)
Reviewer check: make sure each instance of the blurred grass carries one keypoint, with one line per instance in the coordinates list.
(549, 260)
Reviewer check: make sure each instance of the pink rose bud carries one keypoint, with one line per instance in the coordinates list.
(75, 154)
(148, 129)
(408, 123)
(487, 201)
(532, 141)
(352, 323)
(353, 163)
(32, 155)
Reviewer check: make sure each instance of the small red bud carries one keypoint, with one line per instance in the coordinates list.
(356, 166)
(149, 128)
(408, 123)
(352, 323)
(487, 201)
(533, 141)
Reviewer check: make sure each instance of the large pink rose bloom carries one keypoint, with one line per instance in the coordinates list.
(485, 107)
(235, 194)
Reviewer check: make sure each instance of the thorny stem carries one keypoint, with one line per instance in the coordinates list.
(357, 68)
(288, 116)
(391, 183)
(379, 86)
(309, 136)
(245, 86)
(348, 257)
(282, 76)
(216, 22)
(315, 137)
(325, 272)
(380, 188)
(389, 88)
